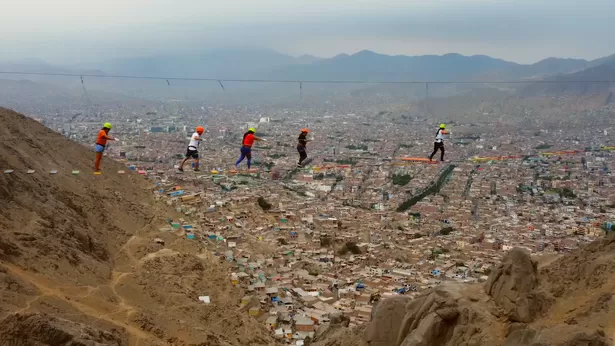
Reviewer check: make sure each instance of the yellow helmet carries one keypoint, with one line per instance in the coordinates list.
(251, 129)
(107, 126)
(442, 126)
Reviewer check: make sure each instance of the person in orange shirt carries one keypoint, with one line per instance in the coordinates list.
(101, 144)
(246, 146)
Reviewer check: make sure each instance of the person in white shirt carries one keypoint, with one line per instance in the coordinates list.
(193, 149)
(439, 143)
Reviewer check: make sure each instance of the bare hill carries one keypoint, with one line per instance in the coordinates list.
(595, 80)
(77, 261)
(567, 302)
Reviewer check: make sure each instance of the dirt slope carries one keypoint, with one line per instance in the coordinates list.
(77, 262)
(69, 225)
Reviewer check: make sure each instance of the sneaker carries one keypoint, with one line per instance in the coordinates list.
(197, 170)
(299, 165)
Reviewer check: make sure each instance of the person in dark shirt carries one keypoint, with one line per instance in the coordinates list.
(301, 146)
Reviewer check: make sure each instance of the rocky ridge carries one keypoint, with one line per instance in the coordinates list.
(568, 302)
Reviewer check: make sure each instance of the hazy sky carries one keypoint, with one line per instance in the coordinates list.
(70, 31)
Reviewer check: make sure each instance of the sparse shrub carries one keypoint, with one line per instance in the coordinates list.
(262, 202)
(446, 231)
(325, 241)
(350, 247)
(401, 179)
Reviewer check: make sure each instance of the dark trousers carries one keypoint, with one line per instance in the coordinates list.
(246, 152)
(437, 146)
(302, 153)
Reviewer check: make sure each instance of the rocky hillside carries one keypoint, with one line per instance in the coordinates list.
(78, 265)
(568, 302)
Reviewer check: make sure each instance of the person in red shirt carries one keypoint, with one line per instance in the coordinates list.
(101, 144)
(246, 146)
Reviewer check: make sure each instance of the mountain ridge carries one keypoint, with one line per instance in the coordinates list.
(365, 65)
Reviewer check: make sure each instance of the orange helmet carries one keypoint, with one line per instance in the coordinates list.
(200, 129)
(305, 130)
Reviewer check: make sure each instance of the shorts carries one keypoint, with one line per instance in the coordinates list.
(99, 148)
(192, 153)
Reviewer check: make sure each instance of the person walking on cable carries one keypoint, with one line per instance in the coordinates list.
(101, 144)
(439, 142)
(193, 149)
(246, 146)
(301, 146)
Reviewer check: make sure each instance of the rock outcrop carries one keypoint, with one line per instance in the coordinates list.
(441, 316)
(336, 333)
(336, 320)
(388, 316)
(42, 330)
(512, 285)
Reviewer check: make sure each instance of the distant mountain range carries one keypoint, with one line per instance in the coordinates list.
(371, 66)
(362, 66)
(225, 64)
(601, 72)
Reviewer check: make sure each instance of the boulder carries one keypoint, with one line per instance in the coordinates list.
(512, 286)
(387, 316)
(440, 316)
(338, 318)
